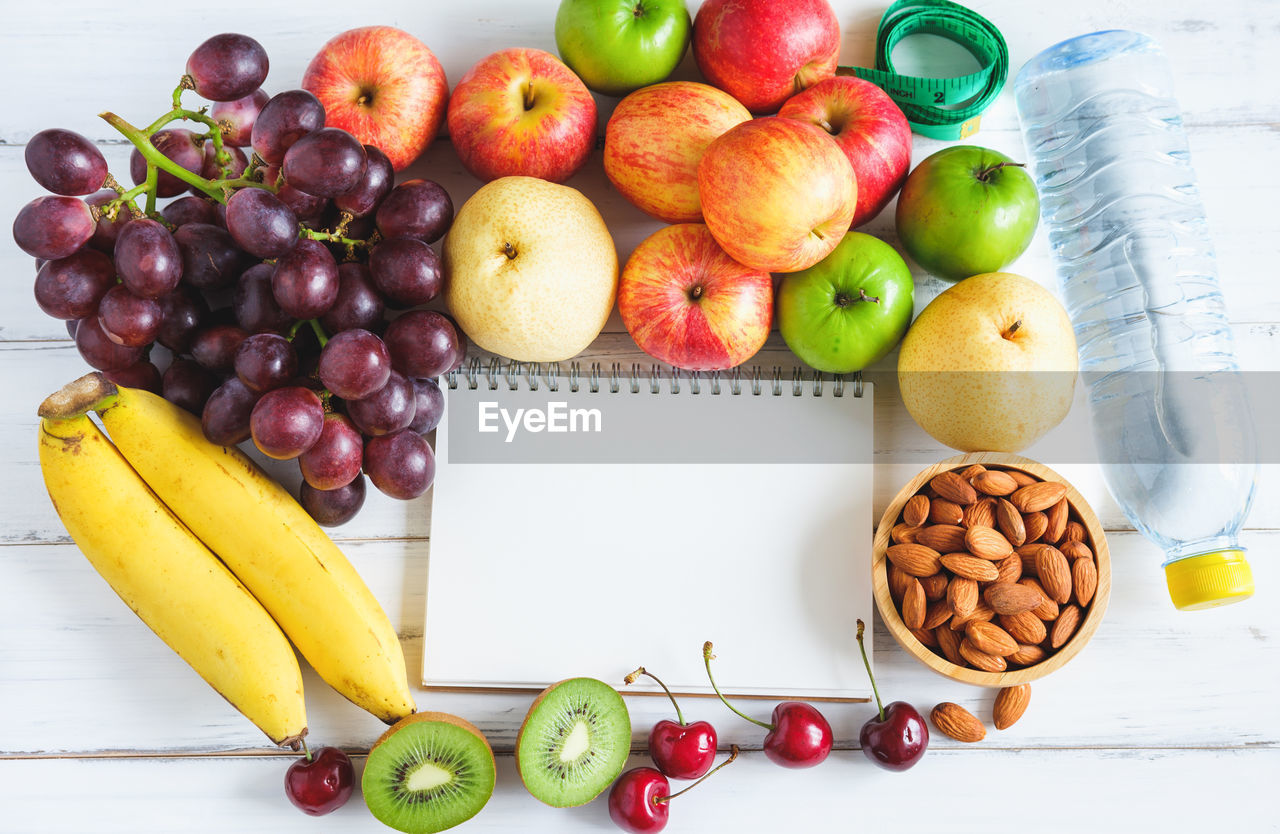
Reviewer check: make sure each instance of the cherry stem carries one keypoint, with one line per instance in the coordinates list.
(306, 750)
(733, 754)
(631, 678)
(706, 659)
(863, 648)
(984, 174)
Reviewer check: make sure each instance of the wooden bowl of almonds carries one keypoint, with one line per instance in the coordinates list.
(991, 569)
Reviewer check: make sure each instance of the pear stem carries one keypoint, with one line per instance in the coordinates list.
(733, 754)
(631, 678)
(863, 648)
(1013, 328)
(706, 659)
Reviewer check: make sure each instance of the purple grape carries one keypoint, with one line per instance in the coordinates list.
(225, 417)
(182, 313)
(283, 120)
(354, 364)
(178, 144)
(304, 206)
(378, 178)
(334, 461)
(255, 307)
(418, 209)
(424, 343)
(104, 234)
(260, 224)
(99, 351)
(71, 328)
(187, 385)
(141, 374)
(128, 319)
(358, 305)
(265, 361)
(305, 281)
(326, 162)
(287, 422)
(65, 162)
(237, 117)
(148, 258)
(406, 271)
(215, 347)
(71, 287)
(400, 465)
(210, 258)
(53, 227)
(211, 170)
(331, 507)
(387, 410)
(227, 67)
(189, 209)
(429, 407)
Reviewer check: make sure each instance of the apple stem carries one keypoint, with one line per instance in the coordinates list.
(528, 96)
(733, 754)
(306, 750)
(1013, 328)
(826, 125)
(631, 678)
(863, 648)
(706, 659)
(984, 174)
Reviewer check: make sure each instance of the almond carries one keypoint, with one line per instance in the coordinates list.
(981, 513)
(944, 538)
(935, 586)
(1012, 598)
(990, 638)
(903, 533)
(949, 642)
(1010, 523)
(937, 614)
(1011, 703)
(954, 488)
(1021, 478)
(942, 511)
(913, 605)
(1035, 524)
(1038, 496)
(993, 482)
(957, 722)
(1056, 516)
(926, 637)
(1024, 627)
(915, 559)
(981, 611)
(916, 510)
(980, 659)
(899, 579)
(986, 543)
(1028, 654)
(972, 471)
(1054, 574)
(971, 567)
(1010, 568)
(1048, 609)
(1063, 627)
(1084, 580)
(1073, 549)
(962, 596)
(1075, 532)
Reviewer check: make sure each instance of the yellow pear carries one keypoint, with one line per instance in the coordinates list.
(990, 364)
(531, 270)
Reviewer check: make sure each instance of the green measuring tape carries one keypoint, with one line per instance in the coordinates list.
(930, 103)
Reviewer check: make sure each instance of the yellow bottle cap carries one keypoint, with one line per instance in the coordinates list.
(1209, 580)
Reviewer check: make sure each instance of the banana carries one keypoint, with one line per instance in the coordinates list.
(170, 579)
(267, 540)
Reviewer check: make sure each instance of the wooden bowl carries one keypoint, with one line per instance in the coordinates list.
(1095, 538)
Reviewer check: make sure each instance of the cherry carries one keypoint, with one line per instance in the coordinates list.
(897, 738)
(320, 783)
(799, 735)
(680, 750)
(638, 800)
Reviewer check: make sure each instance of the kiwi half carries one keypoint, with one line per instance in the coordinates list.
(574, 742)
(429, 772)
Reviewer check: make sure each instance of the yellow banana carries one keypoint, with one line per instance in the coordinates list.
(267, 540)
(170, 579)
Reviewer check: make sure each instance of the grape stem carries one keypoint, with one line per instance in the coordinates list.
(184, 83)
(319, 331)
(335, 237)
(149, 185)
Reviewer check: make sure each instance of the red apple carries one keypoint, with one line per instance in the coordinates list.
(689, 304)
(777, 194)
(763, 51)
(869, 127)
(521, 112)
(655, 139)
(384, 87)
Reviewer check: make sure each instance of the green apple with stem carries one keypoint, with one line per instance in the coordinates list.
(849, 309)
(617, 46)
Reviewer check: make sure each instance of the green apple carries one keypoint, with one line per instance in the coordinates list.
(967, 210)
(617, 46)
(849, 309)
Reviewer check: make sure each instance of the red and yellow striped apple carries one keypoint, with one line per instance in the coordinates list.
(655, 139)
(689, 304)
(777, 194)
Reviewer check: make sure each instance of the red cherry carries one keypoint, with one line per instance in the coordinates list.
(633, 801)
(801, 736)
(321, 782)
(683, 751)
(896, 737)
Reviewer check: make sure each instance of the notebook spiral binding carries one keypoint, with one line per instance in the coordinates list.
(755, 379)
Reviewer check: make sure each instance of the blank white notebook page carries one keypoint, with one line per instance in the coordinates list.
(585, 534)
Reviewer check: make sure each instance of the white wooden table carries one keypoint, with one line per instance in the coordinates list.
(1167, 721)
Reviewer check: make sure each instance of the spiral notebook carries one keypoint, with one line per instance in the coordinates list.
(588, 520)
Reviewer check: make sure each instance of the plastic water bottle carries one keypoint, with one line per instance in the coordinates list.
(1137, 272)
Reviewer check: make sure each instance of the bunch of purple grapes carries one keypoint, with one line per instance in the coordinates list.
(283, 286)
